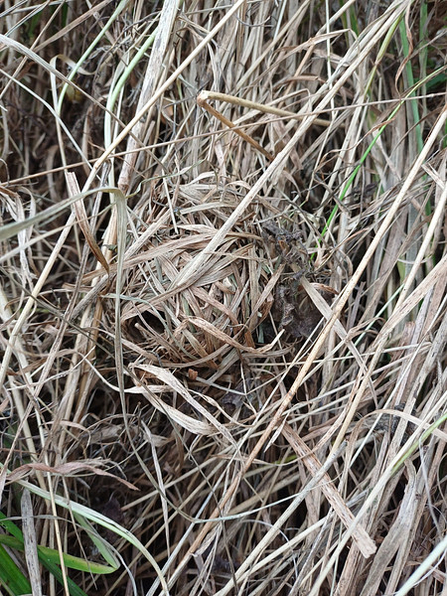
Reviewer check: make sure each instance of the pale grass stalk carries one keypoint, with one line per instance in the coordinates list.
(370, 251)
(145, 109)
(163, 352)
(250, 560)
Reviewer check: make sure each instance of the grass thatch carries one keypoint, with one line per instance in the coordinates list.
(223, 298)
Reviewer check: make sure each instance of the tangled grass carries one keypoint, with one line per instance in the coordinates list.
(223, 305)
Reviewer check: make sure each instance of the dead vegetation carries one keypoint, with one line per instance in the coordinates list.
(223, 305)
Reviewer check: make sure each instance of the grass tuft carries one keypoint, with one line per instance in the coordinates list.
(222, 298)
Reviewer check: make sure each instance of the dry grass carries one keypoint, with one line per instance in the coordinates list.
(224, 317)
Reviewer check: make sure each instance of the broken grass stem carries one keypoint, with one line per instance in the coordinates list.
(204, 96)
(201, 100)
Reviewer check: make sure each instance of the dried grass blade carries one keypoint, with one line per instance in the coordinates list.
(30, 543)
(153, 72)
(141, 113)
(82, 219)
(197, 427)
(396, 536)
(248, 563)
(206, 106)
(361, 537)
(223, 337)
(239, 101)
(169, 379)
(437, 275)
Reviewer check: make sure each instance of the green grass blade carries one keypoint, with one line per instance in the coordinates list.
(11, 578)
(50, 554)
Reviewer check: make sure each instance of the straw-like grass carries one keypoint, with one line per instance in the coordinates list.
(223, 298)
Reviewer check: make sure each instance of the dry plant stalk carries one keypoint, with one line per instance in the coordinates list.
(229, 344)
